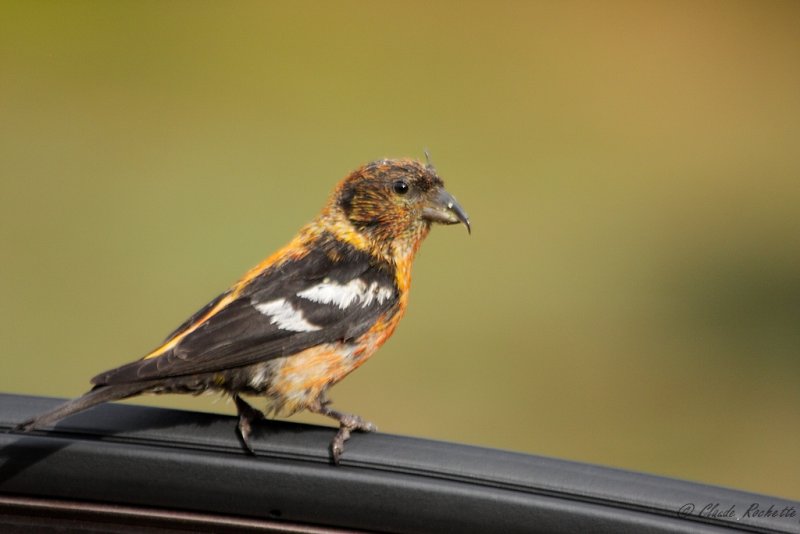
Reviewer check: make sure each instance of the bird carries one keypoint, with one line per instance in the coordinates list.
(306, 316)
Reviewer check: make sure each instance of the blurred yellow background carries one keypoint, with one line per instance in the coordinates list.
(630, 295)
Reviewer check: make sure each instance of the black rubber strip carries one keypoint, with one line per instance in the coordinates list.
(193, 463)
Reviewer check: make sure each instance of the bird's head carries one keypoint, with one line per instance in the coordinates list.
(394, 202)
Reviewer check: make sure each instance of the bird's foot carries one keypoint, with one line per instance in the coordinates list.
(347, 423)
(247, 416)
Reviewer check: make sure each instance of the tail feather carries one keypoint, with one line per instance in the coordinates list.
(92, 398)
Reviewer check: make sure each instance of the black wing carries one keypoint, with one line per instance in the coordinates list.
(334, 293)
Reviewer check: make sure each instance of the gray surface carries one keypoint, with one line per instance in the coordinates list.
(194, 462)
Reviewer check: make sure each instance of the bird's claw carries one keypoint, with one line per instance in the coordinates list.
(348, 423)
(247, 415)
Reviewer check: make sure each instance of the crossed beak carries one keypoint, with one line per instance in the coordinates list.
(443, 208)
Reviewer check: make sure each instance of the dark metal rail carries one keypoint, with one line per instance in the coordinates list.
(118, 465)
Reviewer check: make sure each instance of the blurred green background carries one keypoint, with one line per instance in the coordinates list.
(630, 295)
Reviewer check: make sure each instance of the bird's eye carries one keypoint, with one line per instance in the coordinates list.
(400, 187)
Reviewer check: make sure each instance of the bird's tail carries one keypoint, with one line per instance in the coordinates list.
(94, 397)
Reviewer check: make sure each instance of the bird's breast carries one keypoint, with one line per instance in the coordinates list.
(293, 382)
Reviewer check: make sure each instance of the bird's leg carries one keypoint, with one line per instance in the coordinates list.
(247, 416)
(347, 423)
